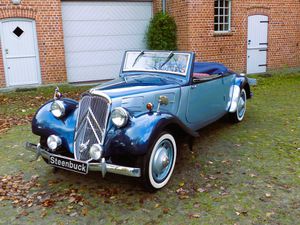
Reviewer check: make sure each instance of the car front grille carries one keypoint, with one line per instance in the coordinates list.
(91, 124)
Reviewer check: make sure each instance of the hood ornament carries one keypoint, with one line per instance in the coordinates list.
(57, 95)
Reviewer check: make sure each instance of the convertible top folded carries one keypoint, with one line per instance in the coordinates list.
(210, 68)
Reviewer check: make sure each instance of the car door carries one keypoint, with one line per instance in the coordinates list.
(205, 101)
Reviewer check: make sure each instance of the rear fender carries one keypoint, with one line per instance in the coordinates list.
(235, 90)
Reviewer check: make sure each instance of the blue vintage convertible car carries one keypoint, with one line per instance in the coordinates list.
(129, 126)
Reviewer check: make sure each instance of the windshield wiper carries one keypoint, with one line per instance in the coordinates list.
(170, 56)
(137, 58)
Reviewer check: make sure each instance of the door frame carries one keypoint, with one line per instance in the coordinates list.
(38, 69)
(247, 38)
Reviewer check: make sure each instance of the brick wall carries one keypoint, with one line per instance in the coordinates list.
(47, 15)
(196, 31)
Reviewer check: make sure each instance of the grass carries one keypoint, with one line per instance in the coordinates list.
(24, 103)
(248, 173)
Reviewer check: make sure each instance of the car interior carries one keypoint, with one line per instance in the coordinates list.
(205, 71)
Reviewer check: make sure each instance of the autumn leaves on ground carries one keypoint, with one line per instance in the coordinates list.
(247, 173)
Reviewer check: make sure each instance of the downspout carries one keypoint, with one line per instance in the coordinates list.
(164, 6)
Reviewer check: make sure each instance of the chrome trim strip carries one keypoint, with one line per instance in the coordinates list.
(111, 168)
(93, 129)
(95, 120)
(99, 93)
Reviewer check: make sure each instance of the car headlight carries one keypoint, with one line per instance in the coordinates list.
(58, 109)
(53, 142)
(119, 117)
(96, 151)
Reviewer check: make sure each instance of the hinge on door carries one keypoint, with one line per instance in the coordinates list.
(263, 43)
(263, 50)
(263, 65)
(264, 21)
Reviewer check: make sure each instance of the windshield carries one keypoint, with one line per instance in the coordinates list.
(167, 62)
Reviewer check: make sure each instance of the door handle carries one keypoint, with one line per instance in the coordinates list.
(6, 51)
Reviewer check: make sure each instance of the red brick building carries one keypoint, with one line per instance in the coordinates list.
(198, 20)
(57, 41)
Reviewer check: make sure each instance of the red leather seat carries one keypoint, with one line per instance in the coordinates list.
(200, 75)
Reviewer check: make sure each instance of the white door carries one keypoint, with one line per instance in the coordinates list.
(20, 52)
(257, 44)
(96, 34)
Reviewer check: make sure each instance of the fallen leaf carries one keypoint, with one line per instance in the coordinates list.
(84, 211)
(48, 203)
(24, 213)
(181, 197)
(268, 195)
(269, 214)
(73, 214)
(43, 214)
(195, 215)
(201, 190)
(166, 210)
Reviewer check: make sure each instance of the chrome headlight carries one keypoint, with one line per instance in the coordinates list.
(96, 151)
(119, 117)
(53, 142)
(58, 109)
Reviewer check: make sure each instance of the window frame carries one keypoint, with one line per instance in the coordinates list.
(222, 5)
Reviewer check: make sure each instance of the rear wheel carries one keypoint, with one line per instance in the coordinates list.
(239, 115)
(159, 162)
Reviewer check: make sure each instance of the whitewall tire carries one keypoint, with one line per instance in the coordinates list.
(159, 162)
(240, 112)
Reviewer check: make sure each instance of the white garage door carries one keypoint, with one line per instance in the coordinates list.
(97, 33)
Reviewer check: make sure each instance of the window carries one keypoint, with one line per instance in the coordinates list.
(222, 15)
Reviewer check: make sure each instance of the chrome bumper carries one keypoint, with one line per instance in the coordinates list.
(103, 166)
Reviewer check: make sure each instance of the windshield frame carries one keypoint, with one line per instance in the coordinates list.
(188, 64)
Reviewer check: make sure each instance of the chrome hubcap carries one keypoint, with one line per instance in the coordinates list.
(162, 160)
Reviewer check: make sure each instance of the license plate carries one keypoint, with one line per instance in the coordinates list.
(68, 164)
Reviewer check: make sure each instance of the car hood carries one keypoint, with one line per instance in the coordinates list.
(131, 85)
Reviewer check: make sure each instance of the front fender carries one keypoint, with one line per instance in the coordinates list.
(140, 133)
(45, 124)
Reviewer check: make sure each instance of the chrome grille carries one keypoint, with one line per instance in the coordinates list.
(91, 124)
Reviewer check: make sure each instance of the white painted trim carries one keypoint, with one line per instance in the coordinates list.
(38, 69)
(219, 31)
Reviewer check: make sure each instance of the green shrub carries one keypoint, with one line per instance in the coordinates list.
(161, 34)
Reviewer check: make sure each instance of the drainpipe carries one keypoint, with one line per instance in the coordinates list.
(164, 6)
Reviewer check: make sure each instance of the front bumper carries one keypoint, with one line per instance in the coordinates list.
(102, 166)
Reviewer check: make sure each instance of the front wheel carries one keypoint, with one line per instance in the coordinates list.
(239, 115)
(159, 162)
